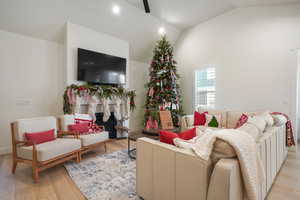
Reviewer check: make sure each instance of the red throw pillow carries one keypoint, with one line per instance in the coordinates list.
(167, 137)
(199, 118)
(188, 134)
(40, 137)
(81, 127)
(242, 120)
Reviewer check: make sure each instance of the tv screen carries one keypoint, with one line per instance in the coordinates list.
(100, 68)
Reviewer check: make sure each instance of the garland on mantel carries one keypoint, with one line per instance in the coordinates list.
(102, 92)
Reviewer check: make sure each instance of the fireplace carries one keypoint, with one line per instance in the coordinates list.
(109, 125)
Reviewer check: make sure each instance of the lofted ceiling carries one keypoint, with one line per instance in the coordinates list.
(45, 19)
(184, 14)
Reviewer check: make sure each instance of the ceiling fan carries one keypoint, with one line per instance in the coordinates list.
(146, 6)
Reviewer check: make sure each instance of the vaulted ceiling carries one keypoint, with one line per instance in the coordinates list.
(45, 19)
(184, 14)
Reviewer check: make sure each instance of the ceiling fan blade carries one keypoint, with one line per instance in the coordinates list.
(146, 5)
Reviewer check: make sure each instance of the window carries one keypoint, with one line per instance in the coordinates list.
(205, 87)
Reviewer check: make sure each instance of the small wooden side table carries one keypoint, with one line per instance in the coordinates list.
(133, 136)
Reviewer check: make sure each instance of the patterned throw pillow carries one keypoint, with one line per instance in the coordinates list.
(242, 120)
(213, 120)
(92, 127)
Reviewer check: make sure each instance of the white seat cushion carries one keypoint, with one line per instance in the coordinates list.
(49, 150)
(94, 138)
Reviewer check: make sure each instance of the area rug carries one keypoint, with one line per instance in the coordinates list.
(105, 177)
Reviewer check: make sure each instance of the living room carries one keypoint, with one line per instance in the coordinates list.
(190, 74)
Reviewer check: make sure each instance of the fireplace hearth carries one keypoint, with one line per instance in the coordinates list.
(109, 125)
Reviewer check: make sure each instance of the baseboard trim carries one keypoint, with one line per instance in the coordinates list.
(5, 150)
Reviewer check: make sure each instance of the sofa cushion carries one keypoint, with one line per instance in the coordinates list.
(268, 118)
(32, 125)
(40, 137)
(215, 112)
(49, 150)
(199, 118)
(252, 130)
(222, 147)
(232, 118)
(189, 120)
(94, 138)
(258, 121)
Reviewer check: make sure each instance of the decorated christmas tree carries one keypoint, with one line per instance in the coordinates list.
(163, 88)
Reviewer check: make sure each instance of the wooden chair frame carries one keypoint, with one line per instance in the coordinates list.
(84, 149)
(38, 166)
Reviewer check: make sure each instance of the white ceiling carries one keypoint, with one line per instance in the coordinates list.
(184, 13)
(45, 19)
(187, 13)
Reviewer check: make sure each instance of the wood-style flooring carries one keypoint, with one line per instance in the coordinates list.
(55, 183)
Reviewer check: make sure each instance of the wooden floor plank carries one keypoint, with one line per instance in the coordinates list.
(55, 183)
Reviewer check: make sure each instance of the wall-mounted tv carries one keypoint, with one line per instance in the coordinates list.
(100, 68)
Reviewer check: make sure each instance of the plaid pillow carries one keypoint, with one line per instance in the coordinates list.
(93, 128)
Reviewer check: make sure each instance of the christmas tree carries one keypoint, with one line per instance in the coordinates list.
(163, 88)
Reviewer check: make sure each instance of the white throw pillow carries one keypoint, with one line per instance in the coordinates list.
(209, 117)
(279, 120)
(268, 117)
(258, 121)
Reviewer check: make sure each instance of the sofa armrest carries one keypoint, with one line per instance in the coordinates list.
(226, 181)
(167, 172)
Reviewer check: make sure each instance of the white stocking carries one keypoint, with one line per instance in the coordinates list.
(92, 107)
(125, 108)
(117, 107)
(106, 110)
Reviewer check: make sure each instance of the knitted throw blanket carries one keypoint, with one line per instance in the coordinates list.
(247, 154)
(290, 141)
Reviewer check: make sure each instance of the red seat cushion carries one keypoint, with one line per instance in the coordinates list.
(40, 137)
(80, 128)
(199, 118)
(168, 137)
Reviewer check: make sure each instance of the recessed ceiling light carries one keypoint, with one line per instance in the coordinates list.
(116, 9)
(162, 31)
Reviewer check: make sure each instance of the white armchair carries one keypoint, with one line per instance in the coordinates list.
(44, 155)
(88, 141)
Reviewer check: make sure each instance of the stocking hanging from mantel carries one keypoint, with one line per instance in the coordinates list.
(120, 99)
(117, 107)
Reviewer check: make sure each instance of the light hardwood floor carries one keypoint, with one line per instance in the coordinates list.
(56, 184)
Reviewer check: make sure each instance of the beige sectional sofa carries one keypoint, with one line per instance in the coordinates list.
(165, 172)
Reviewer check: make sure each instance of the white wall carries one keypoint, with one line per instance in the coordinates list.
(136, 73)
(138, 78)
(31, 81)
(251, 49)
(81, 37)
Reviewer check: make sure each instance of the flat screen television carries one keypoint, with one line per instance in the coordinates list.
(100, 68)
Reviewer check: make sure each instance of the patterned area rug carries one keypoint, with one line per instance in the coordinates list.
(105, 177)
